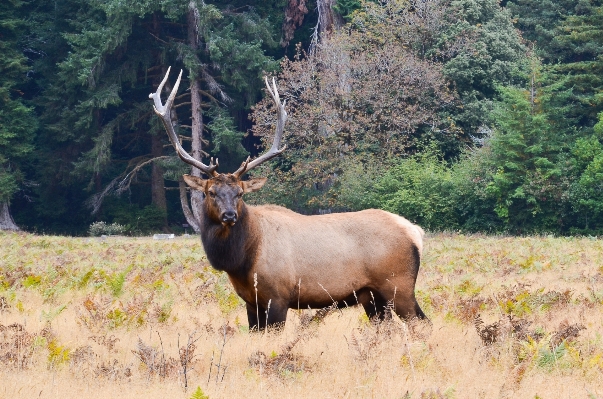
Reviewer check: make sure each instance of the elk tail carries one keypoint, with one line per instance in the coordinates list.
(417, 259)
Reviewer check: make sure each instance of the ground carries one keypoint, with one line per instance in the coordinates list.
(136, 317)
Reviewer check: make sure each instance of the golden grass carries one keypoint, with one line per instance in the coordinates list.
(82, 317)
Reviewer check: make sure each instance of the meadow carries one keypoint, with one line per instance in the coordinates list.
(510, 317)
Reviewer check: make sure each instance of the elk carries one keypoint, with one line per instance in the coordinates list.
(277, 259)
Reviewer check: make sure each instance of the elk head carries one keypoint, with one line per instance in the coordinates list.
(223, 191)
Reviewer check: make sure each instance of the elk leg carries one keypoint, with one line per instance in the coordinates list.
(401, 293)
(252, 317)
(408, 307)
(277, 314)
(374, 305)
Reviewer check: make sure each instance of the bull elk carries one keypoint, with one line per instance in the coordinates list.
(277, 259)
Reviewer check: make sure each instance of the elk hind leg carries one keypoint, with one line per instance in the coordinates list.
(402, 299)
(374, 305)
(407, 307)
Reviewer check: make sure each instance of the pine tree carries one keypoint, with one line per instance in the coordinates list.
(528, 185)
(580, 37)
(481, 50)
(539, 20)
(17, 121)
(96, 110)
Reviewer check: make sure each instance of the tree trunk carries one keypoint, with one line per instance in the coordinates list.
(328, 21)
(6, 220)
(157, 183)
(188, 215)
(328, 18)
(197, 143)
(197, 116)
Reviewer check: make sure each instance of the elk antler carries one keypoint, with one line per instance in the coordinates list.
(278, 135)
(163, 111)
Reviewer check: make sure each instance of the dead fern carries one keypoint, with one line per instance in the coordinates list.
(566, 332)
(15, 346)
(82, 359)
(187, 355)
(155, 362)
(419, 329)
(93, 313)
(364, 343)
(433, 394)
(137, 309)
(280, 365)
(14, 276)
(47, 333)
(514, 378)
(148, 356)
(489, 333)
(209, 328)
(114, 370)
(107, 342)
(467, 309)
(285, 362)
(204, 292)
(308, 319)
(4, 305)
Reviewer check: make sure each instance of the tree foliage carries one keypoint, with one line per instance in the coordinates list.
(399, 74)
(98, 125)
(17, 121)
(476, 115)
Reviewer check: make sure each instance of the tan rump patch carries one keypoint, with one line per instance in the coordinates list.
(415, 233)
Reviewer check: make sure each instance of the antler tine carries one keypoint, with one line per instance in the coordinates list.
(274, 91)
(278, 134)
(157, 95)
(243, 168)
(163, 111)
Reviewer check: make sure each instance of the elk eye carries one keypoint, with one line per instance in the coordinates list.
(212, 194)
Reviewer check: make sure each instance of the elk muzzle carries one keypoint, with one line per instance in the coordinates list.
(229, 217)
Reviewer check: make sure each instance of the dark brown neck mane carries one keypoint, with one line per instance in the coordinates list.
(229, 248)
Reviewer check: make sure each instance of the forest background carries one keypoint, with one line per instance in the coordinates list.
(470, 115)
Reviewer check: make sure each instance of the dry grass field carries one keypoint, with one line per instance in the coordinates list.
(138, 318)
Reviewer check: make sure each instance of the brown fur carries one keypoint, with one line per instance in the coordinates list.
(368, 257)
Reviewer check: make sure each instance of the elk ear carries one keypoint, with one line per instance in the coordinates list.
(252, 185)
(195, 182)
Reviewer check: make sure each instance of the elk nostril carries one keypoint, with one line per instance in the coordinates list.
(229, 216)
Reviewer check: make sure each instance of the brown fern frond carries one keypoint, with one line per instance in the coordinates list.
(488, 333)
(566, 332)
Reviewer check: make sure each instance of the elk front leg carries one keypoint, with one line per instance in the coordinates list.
(276, 315)
(252, 316)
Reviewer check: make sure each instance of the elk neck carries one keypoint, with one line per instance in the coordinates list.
(229, 248)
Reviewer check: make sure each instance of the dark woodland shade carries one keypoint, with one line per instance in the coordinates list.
(76, 121)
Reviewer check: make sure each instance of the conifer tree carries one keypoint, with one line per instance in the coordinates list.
(118, 53)
(17, 121)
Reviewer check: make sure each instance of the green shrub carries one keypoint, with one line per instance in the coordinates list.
(132, 219)
(98, 229)
(587, 190)
(146, 220)
(421, 189)
(426, 190)
(199, 394)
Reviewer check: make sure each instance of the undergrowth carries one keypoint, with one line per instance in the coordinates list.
(126, 310)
